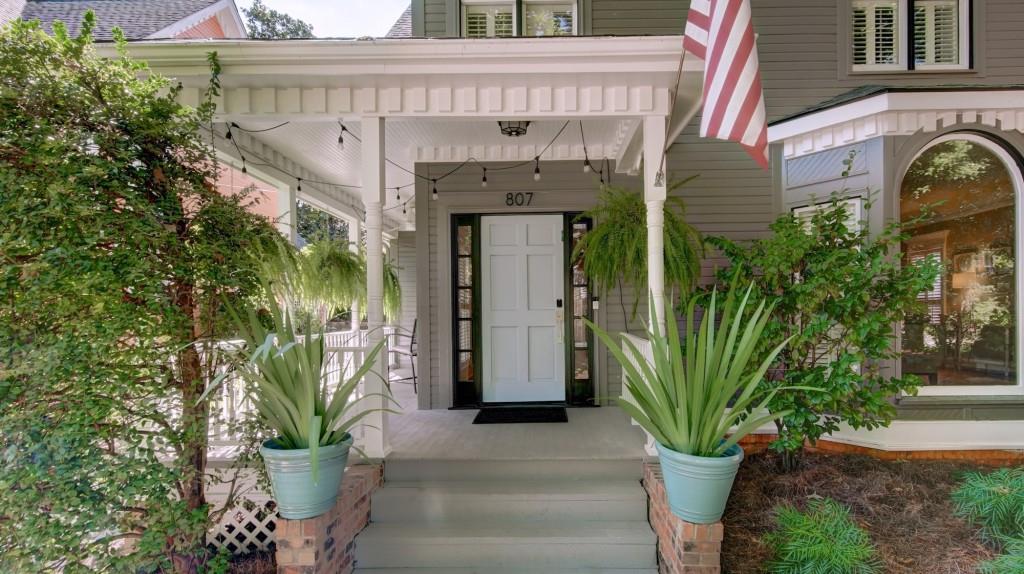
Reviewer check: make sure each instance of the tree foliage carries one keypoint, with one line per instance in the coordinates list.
(315, 224)
(116, 257)
(264, 23)
(841, 292)
(614, 252)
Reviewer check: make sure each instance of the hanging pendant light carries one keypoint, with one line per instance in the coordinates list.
(513, 128)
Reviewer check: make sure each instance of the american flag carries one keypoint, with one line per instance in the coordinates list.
(721, 33)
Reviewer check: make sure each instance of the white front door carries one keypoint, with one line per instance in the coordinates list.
(521, 292)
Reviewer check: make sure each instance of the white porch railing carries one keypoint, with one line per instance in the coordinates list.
(644, 346)
(230, 405)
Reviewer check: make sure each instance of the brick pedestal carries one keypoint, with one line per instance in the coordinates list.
(683, 547)
(325, 544)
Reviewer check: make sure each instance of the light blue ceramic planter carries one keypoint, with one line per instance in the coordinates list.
(698, 487)
(291, 478)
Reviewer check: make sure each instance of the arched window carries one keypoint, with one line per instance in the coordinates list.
(967, 334)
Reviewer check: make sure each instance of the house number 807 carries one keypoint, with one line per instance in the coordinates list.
(518, 199)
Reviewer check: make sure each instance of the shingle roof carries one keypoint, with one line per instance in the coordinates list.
(868, 91)
(402, 28)
(137, 18)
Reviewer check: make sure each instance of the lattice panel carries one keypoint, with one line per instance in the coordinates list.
(249, 527)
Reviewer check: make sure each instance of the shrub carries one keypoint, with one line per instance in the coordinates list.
(821, 540)
(1010, 563)
(995, 502)
(840, 292)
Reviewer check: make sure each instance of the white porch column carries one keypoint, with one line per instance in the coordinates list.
(355, 228)
(654, 197)
(376, 439)
(287, 213)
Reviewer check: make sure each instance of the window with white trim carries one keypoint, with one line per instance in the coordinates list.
(893, 35)
(488, 19)
(505, 18)
(966, 335)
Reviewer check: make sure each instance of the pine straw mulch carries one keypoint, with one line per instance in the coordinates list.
(904, 505)
(254, 563)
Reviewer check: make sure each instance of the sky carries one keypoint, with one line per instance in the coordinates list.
(340, 18)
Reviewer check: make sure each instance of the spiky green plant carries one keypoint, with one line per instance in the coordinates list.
(994, 501)
(1012, 562)
(822, 540)
(614, 251)
(288, 380)
(683, 396)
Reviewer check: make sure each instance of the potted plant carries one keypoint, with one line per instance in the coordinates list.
(699, 397)
(288, 380)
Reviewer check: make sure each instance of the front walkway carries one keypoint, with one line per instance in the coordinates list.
(602, 433)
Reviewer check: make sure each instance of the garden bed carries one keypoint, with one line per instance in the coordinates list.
(904, 505)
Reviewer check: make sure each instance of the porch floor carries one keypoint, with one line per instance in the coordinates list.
(602, 433)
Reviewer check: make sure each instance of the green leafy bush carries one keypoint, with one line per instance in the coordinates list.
(821, 540)
(1010, 563)
(840, 293)
(995, 502)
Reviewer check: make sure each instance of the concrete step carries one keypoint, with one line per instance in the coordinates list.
(538, 545)
(434, 470)
(489, 570)
(534, 500)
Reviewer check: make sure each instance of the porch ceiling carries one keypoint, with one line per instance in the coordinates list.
(441, 99)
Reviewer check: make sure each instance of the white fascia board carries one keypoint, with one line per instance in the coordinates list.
(923, 101)
(606, 55)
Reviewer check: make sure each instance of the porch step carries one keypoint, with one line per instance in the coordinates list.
(527, 501)
(508, 517)
(435, 470)
(544, 545)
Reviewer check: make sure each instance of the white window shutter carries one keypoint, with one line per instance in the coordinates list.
(875, 32)
(937, 32)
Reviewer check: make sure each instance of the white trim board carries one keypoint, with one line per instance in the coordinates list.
(899, 113)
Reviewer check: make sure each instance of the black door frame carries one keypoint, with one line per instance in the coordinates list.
(468, 390)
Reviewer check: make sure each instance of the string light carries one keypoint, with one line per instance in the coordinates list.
(483, 182)
(586, 165)
(299, 186)
(403, 209)
(433, 192)
(536, 169)
(341, 135)
(398, 194)
(243, 165)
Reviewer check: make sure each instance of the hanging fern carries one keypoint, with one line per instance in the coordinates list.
(614, 252)
(325, 277)
(995, 502)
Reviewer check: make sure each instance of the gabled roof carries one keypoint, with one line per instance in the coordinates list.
(402, 28)
(137, 18)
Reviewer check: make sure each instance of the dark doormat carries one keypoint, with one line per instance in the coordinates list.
(507, 415)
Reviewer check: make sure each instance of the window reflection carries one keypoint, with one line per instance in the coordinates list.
(965, 334)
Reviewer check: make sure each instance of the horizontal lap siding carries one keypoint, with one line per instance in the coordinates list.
(435, 18)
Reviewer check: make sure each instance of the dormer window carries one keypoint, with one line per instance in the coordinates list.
(505, 18)
(894, 35)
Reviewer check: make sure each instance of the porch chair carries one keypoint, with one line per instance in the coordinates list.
(406, 351)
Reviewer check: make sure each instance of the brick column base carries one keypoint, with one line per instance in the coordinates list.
(683, 547)
(325, 544)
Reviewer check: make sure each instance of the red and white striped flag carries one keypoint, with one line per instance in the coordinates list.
(722, 34)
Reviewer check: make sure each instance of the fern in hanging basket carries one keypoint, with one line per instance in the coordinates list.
(614, 251)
